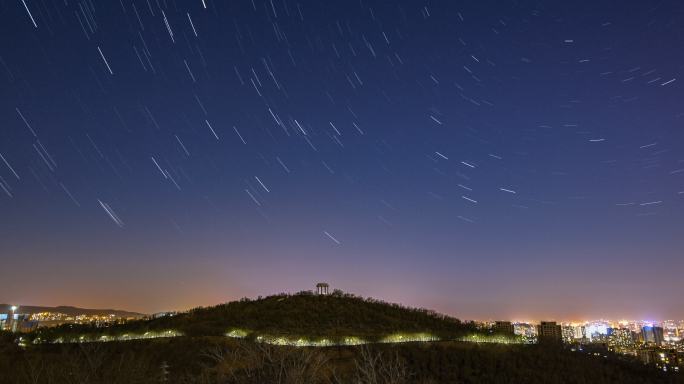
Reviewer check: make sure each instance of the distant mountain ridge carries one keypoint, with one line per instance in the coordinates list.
(69, 310)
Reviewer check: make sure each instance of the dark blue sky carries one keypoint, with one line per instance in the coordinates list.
(488, 160)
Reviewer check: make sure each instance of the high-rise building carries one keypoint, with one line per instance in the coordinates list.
(621, 339)
(504, 327)
(670, 333)
(647, 335)
(658, 335)
(652, 335)
(549, 331)
(579, 332)
(17, 322)
(527, 331)
(596, 330)
(568, 332)
(21, 322)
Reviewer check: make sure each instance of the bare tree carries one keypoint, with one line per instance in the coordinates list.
(376, 368)
(34, 370)
(262, 363)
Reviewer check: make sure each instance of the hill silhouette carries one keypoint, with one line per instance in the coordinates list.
(304, 315)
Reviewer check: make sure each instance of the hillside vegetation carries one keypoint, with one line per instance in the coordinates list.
(334, 317)
(220, 360)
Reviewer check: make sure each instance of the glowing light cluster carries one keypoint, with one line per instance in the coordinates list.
(496, 339)
(108, 338)
(324, 342)
(409, 337)
(238, 333)
(300, 342)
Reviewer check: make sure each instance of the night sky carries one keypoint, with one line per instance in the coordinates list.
(489, 159)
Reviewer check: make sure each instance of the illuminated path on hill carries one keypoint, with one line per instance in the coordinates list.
(294, 342)
(352, 340)
(108, 338)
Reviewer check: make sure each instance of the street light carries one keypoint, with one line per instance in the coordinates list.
(11, 323)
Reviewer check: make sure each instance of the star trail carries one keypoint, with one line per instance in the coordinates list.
(514, 159)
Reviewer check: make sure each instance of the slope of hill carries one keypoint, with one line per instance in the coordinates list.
(333, 317)
(68, 310)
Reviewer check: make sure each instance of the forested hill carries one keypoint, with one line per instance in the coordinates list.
(314, 315)
(300, 315)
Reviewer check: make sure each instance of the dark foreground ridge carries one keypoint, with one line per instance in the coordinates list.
(214, 360)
